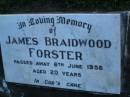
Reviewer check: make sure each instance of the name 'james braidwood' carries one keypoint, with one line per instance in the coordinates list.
(55, 42)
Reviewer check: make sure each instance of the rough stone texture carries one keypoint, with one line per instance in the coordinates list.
(31, 6)
(58, 6)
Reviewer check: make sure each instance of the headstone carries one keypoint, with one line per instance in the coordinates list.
(69, 51)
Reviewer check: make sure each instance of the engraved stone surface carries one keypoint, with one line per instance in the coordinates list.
(71, 51)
